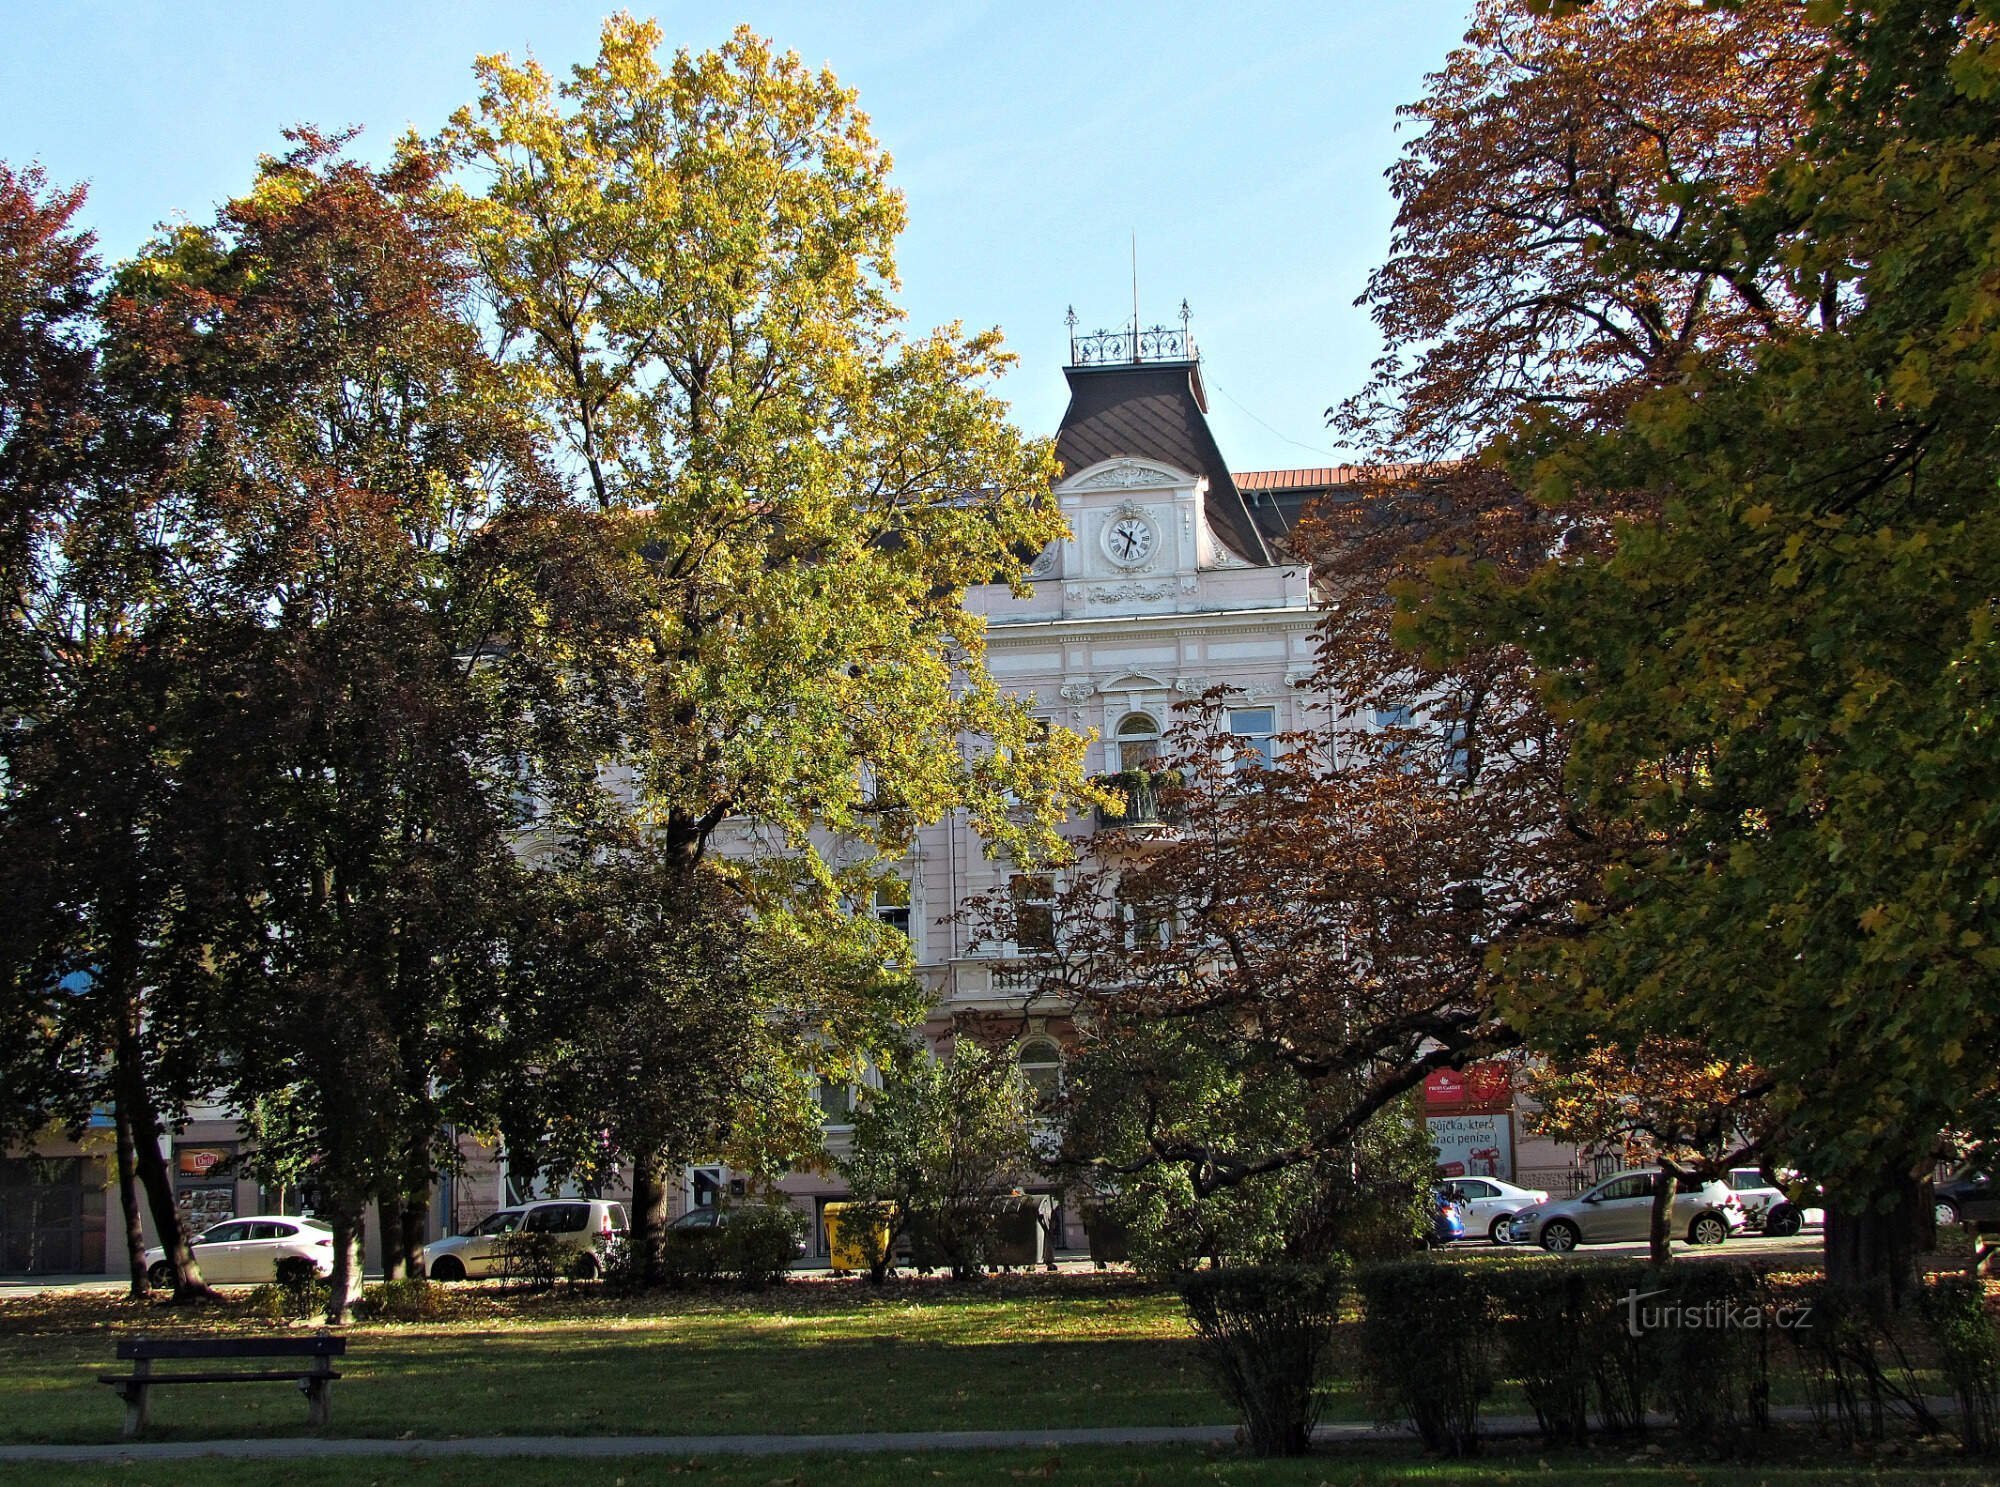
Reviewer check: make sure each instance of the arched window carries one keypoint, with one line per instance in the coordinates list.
(1138, 741)
(1040, 1062)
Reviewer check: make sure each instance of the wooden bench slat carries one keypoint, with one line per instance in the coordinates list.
(212, 1378)
(133, 1349)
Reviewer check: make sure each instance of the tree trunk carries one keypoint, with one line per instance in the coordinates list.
(349, 1220)
(649, 1215)
(128, 1202)
(129, 1084)
(1876, 1247)
(389, 1224)
(412, 1229)
(1660, 1237)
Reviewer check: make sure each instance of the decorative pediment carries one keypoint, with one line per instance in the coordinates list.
(1128, 474)
(1136, 681)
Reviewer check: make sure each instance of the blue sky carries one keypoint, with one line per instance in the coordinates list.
(1243, 144)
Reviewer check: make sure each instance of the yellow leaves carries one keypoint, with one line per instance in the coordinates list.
(1874, 918)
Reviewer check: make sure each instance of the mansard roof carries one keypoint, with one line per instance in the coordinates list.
(1156, 410)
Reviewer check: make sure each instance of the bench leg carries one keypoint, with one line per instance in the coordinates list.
(319, 1402)
(135, 1408)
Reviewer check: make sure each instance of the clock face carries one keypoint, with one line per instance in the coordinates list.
(1129, 540)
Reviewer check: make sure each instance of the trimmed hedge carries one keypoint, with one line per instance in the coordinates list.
(1427, 1344)
(1714, 1355)
(1562, 1334)
(1262, 1332)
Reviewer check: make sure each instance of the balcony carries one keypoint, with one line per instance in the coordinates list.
(1151, 800)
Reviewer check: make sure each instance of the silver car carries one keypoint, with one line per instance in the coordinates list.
(1620, 1210)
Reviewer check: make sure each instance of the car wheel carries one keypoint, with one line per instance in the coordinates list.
(1708, 1228)
(1560, 1235)
(1783, 1221)
(1502, 1229)
(449, 1267)
(161, 1276)
(586, 1268)
(1945, 1211)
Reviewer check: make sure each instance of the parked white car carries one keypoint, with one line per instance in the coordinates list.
(246, 1251)
(1620, 1209)
(581, 1224)
(1488, 1205)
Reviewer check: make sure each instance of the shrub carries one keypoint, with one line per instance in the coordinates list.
(1968, 1353)
(296, 1299)
(1856, 1373)
(299, 1292)
(529, 1259)
(1426, 1349)
(1262, 1333)
(759, 1244)
(410, 1300)
(691, 1257)
(1712, 1355)
(1561, 1332)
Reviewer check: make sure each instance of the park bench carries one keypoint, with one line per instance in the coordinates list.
(315, 1381)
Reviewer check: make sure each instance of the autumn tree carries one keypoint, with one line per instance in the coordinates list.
(89, 829)
(1313, 928)
(690, 264)
(1670, 1102)
(47, 409)
(1784, 679)
(1571, 212)
(360, 528)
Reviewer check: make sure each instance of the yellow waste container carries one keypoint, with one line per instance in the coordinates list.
(847, 1240)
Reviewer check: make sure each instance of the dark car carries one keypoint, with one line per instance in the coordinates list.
(1969, 1198)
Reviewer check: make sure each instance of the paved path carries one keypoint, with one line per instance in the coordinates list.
(291, 1448)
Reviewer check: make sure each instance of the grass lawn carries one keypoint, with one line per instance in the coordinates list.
(807, 1358)
(1083, 1468)
(811, 1357)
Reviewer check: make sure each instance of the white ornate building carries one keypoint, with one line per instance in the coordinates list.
(1175, 578)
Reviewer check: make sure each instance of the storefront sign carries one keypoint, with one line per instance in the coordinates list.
(198, 1161)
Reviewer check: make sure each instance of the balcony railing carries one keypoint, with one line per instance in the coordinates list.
(1150, 800)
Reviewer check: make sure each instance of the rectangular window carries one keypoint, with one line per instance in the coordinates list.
(892, 905)
(1034, 902)
(1253, 727)
(836, 1102)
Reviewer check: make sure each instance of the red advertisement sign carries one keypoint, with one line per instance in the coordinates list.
(1478, 1087)
(195, 1161)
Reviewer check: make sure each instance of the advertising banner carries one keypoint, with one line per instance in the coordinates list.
(1477, 1145)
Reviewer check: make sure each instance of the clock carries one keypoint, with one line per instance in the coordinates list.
(1129, 540)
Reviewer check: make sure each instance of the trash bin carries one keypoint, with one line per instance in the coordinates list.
(847, 1237)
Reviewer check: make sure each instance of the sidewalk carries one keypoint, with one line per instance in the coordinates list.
(300, 1447)
(292, 1448)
